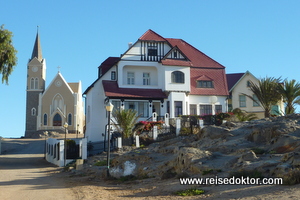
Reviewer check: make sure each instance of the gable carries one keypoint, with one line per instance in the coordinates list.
(58, 85)
(35, 62)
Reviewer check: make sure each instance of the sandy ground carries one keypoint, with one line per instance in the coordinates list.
(24, 174)
(89, 184)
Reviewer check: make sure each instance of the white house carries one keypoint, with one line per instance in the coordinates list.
(156, 74)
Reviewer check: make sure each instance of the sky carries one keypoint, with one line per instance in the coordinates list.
(259, 36)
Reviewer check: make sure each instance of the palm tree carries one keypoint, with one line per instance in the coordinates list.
(290, 91)
(267, 93)
(124, 121)
(242, 115)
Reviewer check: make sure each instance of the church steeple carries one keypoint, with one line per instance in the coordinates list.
(37, 49)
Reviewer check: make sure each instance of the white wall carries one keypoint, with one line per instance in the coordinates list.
(96, 114)
(177, 86)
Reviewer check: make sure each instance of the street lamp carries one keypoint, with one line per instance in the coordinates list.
(65, 145)
(109, 108)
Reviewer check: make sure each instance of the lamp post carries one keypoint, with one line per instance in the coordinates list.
(109, 107)
(65, 145)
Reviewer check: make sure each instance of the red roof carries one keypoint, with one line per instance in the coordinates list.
(108, 63)
(195, 58)
(216, 75)
(152, 36)
(112, 90)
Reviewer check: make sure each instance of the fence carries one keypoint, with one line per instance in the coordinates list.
(55, 151)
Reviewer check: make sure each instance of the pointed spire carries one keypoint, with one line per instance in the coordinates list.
(37, 49)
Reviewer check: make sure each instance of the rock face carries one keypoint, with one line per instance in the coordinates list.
(269, 146)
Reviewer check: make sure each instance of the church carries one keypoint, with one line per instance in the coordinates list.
(54, 107)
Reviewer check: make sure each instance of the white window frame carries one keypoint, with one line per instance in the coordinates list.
(146, 78)
(130, 78)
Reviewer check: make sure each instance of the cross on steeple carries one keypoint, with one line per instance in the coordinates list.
(58, 68)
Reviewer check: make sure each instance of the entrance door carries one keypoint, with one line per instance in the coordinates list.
(57, 120)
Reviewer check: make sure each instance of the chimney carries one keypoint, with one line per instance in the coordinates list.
(129, 44)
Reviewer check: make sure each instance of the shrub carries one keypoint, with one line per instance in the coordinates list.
(190, 192)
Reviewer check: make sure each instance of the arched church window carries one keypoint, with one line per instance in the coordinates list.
(57, 120)
(36, 83)
(57, 103)
(45, 119)
(33, 112)
(32, 83)
(70, 119)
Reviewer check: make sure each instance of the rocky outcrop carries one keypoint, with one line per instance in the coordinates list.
(269, 146)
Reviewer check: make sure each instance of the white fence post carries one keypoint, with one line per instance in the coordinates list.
(201, 123)
(137, 141)
(119, 144)
(167, 122)
(178, 126)
(154, 116)
(154, 132)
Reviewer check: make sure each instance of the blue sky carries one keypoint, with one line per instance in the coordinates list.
(259, 36)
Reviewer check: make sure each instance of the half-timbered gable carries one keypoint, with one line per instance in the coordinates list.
(157, 74)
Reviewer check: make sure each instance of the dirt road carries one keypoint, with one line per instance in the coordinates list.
(24, 174)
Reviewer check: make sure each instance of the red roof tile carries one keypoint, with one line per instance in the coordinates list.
(152, 36)
(218, 77)
(108, 63)
(196, 57)
(112, 90)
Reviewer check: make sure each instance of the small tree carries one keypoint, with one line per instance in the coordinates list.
(290, 91)
(8, 53)
(124, 121)
(242, 115)
(267, 92)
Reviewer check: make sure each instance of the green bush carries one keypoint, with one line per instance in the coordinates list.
(190, 192)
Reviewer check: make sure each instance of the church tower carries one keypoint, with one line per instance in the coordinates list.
(36, 78)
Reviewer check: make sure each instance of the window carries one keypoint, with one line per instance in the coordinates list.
(205, 109)
(113, 75)
(175, 54)
(34, 83)
(248, 83)
(116, 104)
(130, 78)
(255, 104)
(205, 84)
(152, 51)
(33, 112)
(45, 120)
(146, 78)
(242, 100)
(70, 119)
(142, 107)
(218, 108)
(177, 77)
(193, 109)
(178, 108)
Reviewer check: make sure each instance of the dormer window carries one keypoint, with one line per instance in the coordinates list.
(205, 84)
(152, 50)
